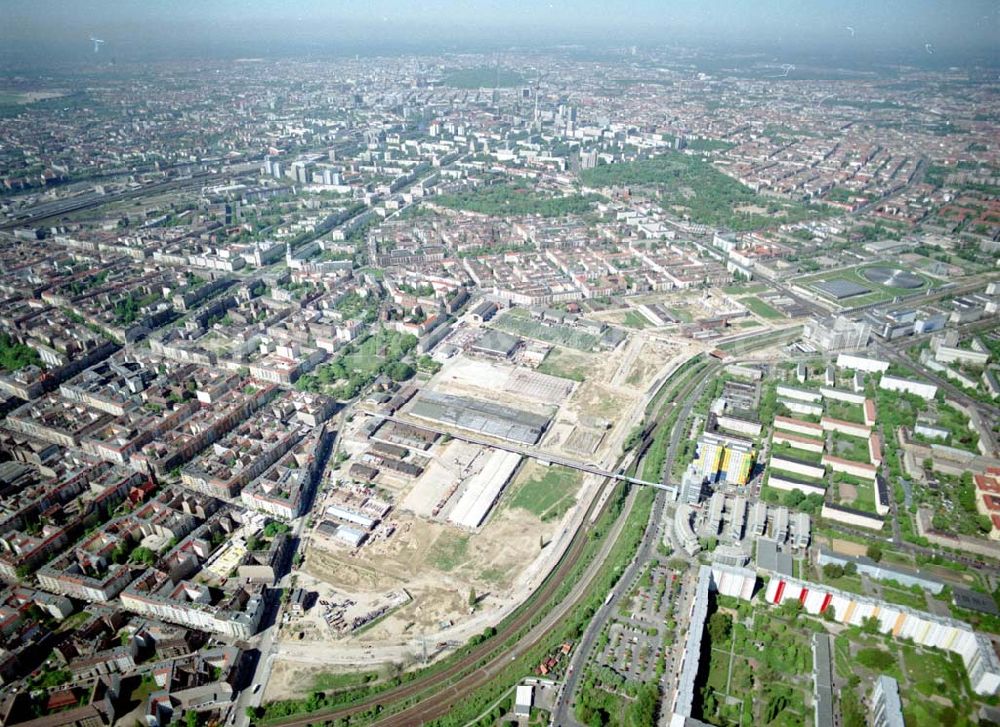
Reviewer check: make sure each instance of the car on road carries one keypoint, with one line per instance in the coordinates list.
(256, 688)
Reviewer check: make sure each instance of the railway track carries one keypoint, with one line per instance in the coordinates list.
(440, 704)
(455, 685)
(403, 692)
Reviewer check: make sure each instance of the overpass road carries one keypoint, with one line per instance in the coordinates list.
(529, 452)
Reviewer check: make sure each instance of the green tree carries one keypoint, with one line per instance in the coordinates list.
(143, 555)
(794, 498)
(874, 551)
(790, 608)
(400, 371)
(15, 356)
(875, 658)
(833, 571)
(120, 553)
(720, 626)
(642, 710)
(274, 528)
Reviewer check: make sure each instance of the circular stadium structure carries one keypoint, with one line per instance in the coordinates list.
(892, 277)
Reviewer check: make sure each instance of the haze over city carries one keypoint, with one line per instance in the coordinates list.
(493, 363)
(894, 31)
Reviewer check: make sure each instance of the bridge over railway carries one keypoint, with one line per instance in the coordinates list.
(525, 451)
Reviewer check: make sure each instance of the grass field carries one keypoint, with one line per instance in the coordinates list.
(744, 289)
(844, 410)
(330, 681)
(681, 314)
(633, 319)
(844, 583)
(555, 333)
(756, 305)
(550, 495)
(778, 472)
(865, 498)
(904, 597)
(449, 551)
(567, 364)
(785, 450)
(852, 448)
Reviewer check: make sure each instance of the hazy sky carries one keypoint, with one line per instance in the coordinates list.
(132, 27)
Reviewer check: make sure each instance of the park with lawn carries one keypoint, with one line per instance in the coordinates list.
(359, 363)
(694, 188)
(513, 200)
(933, 685)
(755, 668)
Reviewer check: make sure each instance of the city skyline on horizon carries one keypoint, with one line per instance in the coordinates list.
(895, 31)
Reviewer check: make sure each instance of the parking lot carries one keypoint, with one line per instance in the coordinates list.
(635, 637)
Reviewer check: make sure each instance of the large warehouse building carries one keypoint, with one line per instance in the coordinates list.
(481, 417)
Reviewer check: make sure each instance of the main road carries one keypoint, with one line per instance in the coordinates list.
(562, 713)
(253, 693)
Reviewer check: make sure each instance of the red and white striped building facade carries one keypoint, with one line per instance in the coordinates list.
(925, 629)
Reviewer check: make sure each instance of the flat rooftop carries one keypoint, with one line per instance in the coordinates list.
(482, 417)
(840, 288)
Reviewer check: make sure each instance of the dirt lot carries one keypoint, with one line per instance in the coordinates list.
(452, 462)
(613, 384)
(847, 547)
(289, 679)
(642, 369)
(437, 564)
(848, 492)
(598, 400)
